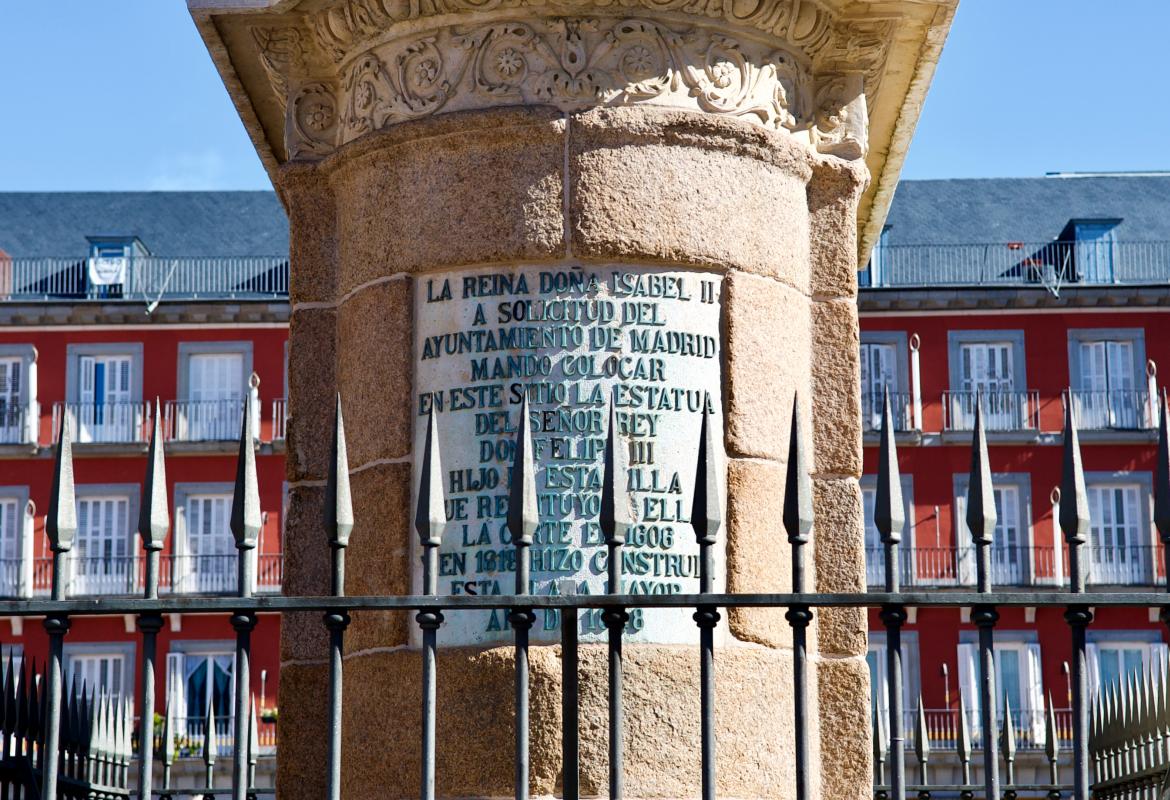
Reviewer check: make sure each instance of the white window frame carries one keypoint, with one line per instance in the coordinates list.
(123, 651)
(23, 427)
(1021, 482)
(879, 695)
(16, 578)
(1120, 411)
(187, 575)
(121, 577)
(177, 689)
(127, 422)
(1029, 719)
(873, 540)
(1142, 483)
(218, 428)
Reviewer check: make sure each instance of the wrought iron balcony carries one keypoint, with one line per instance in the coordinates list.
(104, 423)
(955, 566)
(1116, 409)
(126, 575)
(145, 279)
(19, 425)
(901, 405)
(1051, 263)
(943, 724)
(1003, 412)
(202, 420)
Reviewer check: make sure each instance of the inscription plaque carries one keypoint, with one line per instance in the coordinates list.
(574, 339)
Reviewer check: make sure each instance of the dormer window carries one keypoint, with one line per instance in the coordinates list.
(109, 264)
(1095, 249)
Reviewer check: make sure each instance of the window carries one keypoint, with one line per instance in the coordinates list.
(884, 368)
(879, 696)
(18, 418)
(1120, 551)
(875, 557)
(102, 561)
(1104, 367)
(1019, 684)
(213, 378)
(1117, 655)
(102, 668)
(14, 538)
(200, 677)
(104, 392)
(988, 364)
(1096, 249)
(206, 550)
(1013, 560)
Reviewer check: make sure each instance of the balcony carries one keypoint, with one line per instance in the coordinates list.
(18, 426)
(1003, 412)
(1041, 264)
(104, 423)
(202, 420)
(901, 409)
(1114, 410)
(955, 566)
(942, 727)
(148, 279)
(126, 575)
(1032, 565)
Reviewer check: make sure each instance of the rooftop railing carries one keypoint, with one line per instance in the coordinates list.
(145, 278)
(1051, 263)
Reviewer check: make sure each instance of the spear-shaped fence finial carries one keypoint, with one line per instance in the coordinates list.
(61, 519)
(338, 498)
(707, 501)
(1052, 742)
(523, 513)
(154, 520)
(246, 516)
(981, 512)
(964, 745)
(1007, 741)
(889, 514)
(1074, 501)
(798, 499)
(922, 744)
(615, 518)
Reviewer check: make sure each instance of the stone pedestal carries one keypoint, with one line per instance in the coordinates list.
(414, 142)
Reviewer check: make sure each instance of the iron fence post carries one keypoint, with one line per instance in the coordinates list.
(1075, 522)
(61, 528)
(890, 519)
(246, 521)
(798, 522)
(707, 519)
(430, 520)
(570, 749)
(981, 522)
(523, 520)
(338, 522)
(153, 524)
(615, 519)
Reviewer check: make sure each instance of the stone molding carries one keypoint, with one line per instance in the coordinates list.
(362, 66)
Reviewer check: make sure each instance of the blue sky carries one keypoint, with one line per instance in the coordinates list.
(124, 96)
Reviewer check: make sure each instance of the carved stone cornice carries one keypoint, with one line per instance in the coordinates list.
(375, 68)
(845, 77)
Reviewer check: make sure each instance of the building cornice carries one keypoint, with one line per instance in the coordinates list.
(127, 315)
(1012, 299)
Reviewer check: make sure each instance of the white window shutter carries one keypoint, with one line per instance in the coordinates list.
(27, 538)
(1093, 659)
(969, 682)
(1158, 653)
(1035, 688)
(176, 684)
(32, 415)
(87, 366)
(965, 547)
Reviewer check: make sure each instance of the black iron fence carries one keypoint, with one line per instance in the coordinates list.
(49, 752)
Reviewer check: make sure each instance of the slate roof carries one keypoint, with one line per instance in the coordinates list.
(168, 223)
(991, 210)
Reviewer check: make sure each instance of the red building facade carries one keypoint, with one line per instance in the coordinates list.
(116, 309)
(1030, 325)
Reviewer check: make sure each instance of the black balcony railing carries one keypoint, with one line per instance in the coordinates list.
(1051, 263)
(146, 279)
(48, 757)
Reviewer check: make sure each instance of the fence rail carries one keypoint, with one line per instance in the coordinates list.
(1052, 263)
(998, 748)
(143, 278)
